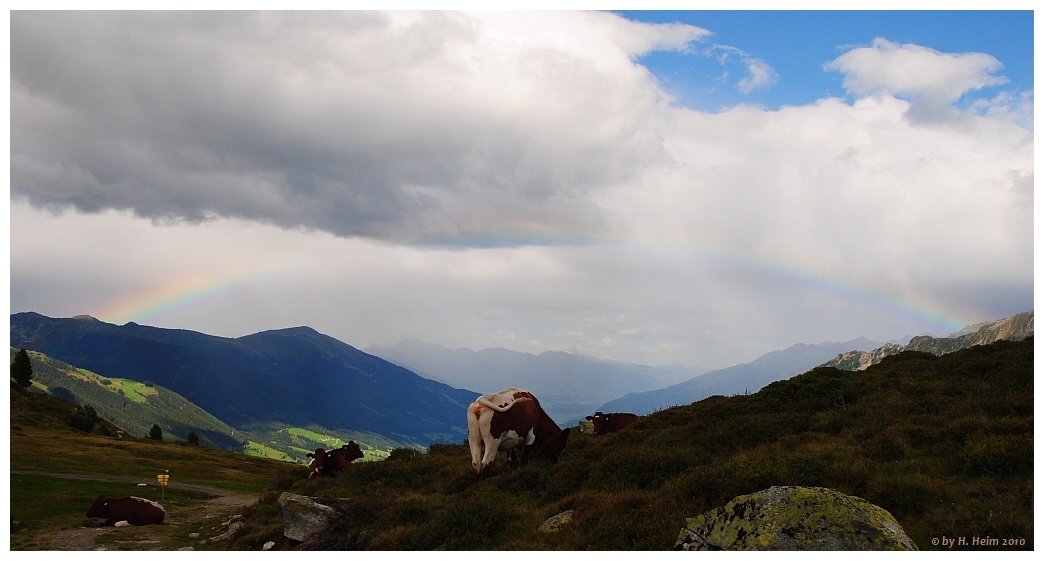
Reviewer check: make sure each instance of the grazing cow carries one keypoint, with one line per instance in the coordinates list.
(332, 462)
(135, 510)
(605, 423)
(511, 420)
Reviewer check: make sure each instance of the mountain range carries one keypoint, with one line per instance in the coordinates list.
(740, 379)
(1015, 328)
(294, 376)
(409, 393)
(569, 386)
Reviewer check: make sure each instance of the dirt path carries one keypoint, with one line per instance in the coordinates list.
(199, 524)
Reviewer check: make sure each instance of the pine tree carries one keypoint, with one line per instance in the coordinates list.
(22, 369)
(192, 438)
(156, 433)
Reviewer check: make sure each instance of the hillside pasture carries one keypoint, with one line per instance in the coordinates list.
(945, 444)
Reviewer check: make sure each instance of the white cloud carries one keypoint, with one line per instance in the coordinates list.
(931, 80)
(760, 75)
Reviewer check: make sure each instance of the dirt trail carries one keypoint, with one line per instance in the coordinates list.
(211, 515)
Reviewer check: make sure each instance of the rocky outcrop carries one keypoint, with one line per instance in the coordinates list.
(794, 518)
(1015, 328)
(861, 360)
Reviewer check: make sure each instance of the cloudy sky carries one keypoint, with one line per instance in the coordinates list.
(666, 187)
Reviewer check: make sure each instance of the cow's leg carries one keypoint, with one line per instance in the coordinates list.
(475, 437)
(492, 445)
(475, 443)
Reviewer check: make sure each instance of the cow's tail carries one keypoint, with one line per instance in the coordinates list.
(506, 399)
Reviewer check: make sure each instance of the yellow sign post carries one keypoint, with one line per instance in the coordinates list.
(162, 480)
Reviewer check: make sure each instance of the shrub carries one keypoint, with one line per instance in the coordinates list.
(999, 454)
(82, 419)
(889, 445)
(644, 468)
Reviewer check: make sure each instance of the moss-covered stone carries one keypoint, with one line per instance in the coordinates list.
(556, 522)
(795, 518)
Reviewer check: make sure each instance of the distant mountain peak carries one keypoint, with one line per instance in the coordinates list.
(1015, 328)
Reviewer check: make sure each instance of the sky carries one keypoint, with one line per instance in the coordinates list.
(664, 187)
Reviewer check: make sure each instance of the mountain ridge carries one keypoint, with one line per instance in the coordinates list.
(1014, 328)
(114, 401)
(295, 376)
(739, 379)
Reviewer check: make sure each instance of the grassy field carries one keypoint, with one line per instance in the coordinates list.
(258, 449)
(370, 453)
(51, 490)
(294, 443)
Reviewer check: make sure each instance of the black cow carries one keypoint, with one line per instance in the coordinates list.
(135, 510)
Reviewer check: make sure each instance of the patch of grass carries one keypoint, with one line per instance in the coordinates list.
(133, 390)
(258, 449)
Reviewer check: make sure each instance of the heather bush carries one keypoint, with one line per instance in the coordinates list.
(999, 454)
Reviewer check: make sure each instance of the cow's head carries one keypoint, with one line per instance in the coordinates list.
(98, 508)
(353, 451)
(597, 421)
(552, 447)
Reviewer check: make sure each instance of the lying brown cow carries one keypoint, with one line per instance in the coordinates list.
(605, 423)
(332, 462)
(135, 510)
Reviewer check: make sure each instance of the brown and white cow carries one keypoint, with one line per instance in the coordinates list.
(334, 461)
(511, 420)
(135, 510)
(605, 423)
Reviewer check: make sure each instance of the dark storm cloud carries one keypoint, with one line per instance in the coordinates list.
(360, 124)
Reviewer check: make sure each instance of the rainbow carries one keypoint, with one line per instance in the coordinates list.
(179, 292)
(919, 309)
(184, 291)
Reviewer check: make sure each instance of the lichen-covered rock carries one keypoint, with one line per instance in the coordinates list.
(556, 522)
(794, 518)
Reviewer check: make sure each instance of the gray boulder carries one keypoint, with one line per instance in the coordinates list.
(794, 518)
(303, 518)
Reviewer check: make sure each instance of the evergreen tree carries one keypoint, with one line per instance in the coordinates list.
(22, 369)
(156, 433)
(192, 438)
